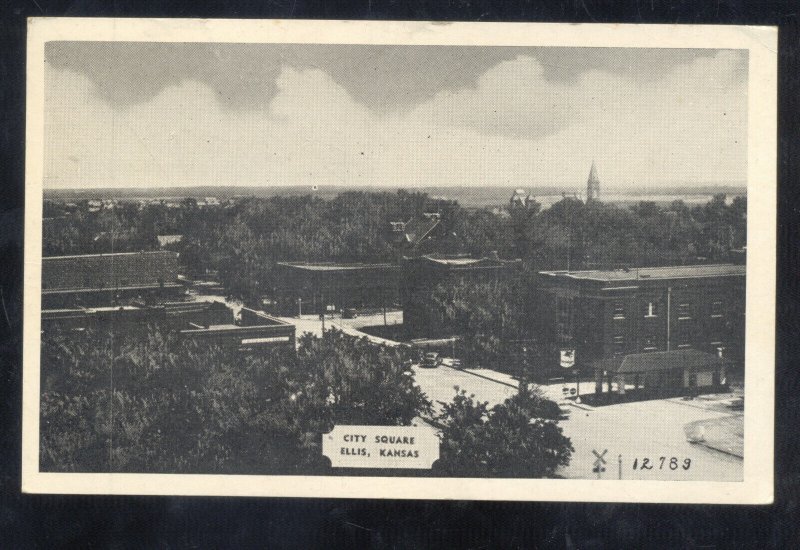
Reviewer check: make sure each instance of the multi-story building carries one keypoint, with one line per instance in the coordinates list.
(616, 313)
(302, 288)
(420, 276)
(108, 279)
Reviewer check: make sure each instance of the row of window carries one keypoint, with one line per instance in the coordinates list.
(650, 343)
(683, 310)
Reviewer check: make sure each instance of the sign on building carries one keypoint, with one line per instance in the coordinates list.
(567, 358)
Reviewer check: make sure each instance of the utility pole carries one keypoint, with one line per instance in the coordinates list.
(569, 246)
(383, 303)
(299, 307)
(669, 307)
(322, 315)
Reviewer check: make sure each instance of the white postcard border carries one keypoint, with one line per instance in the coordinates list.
(757, 486)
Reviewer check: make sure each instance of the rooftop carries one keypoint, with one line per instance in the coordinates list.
(415, 230)
(655, 361)
(89, 290)
(161, 252)
(666, 272)
(334, 266)
(460, 260)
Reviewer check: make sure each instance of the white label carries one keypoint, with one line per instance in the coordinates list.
(381, 446)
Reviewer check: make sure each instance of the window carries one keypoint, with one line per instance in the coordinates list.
(649, 343)
(619, 344)
(716, 309)
(651, 310)
(619, 310)
(684, 311)
(684, 337)
(564, 319)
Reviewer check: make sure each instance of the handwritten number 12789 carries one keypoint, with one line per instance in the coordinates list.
(663, 462)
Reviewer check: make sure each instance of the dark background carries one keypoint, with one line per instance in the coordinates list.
(158, 522)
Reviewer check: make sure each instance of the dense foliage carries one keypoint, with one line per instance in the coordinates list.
(143, 400)
(150, 402)
(487, 314)
(241, 241)
(518, 438)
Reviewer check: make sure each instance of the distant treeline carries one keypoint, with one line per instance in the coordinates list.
(467, 196)
(241, 242)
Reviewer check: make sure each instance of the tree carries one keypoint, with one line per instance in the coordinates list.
(486, 314)
(518, 438)
(146, 400)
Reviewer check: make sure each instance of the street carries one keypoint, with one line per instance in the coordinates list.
(313, 324)
(637, 431)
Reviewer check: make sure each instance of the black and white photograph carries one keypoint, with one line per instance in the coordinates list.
(400, 260)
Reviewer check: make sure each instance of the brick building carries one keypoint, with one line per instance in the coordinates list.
(107, 279)
(314, 287)
(420, 276)
(211, 322)
(615, 313)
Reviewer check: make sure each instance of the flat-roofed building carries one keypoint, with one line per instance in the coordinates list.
(661, 372)
(605, 314)
(314, 287)
(255, 330)
(210, 322)
(108, 279)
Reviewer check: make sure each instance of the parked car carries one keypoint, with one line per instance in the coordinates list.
(349, 313)
(431, 360)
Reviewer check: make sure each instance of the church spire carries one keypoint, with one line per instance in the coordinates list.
(593, 185)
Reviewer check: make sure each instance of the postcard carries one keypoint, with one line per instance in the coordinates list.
(402, 260)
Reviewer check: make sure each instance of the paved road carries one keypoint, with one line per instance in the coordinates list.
(439, 385)
(313, 324)
(647, 429)
(393, 317)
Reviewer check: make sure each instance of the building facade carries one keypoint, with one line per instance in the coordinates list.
(107, 279)
(304, 288)
(420, 276)
(661, 373)
(613, 313)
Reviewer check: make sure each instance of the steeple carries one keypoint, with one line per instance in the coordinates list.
(593, 185)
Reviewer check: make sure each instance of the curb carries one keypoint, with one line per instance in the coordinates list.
(482, 376)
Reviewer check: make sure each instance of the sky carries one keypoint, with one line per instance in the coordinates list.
(181, 114)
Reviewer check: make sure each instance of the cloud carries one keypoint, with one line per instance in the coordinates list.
(243, 76)
(382, 78)
(511, 126)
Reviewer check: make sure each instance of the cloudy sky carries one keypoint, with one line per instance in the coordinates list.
(136, 114)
